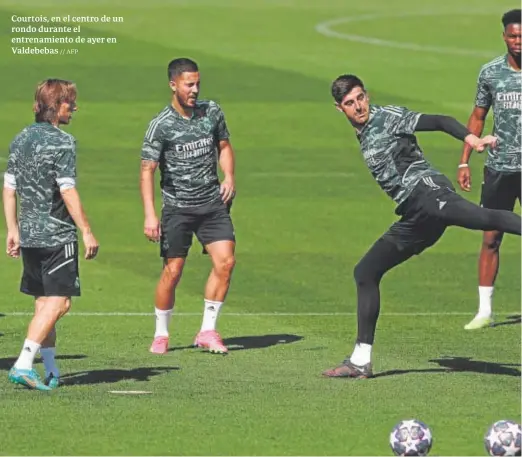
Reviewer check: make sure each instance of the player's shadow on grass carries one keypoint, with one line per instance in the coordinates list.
(462, 364)
(240, 343)
(2, 315)
(7, 362)
(510, 320)
(114, 375)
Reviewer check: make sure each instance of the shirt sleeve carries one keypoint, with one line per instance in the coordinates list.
(401, 121)
(483, 99)
(10, 173)
(222, 132)
(65, 166)
(441, 123)
(152, 143)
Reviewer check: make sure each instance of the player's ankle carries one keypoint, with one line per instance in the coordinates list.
(362, 354)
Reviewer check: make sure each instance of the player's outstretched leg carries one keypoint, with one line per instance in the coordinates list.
(165, 297)
(462, 213)
(40, 327)
(223, 262)
(382, 257)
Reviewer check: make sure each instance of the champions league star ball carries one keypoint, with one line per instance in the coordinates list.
(411, 437)
(503, 438)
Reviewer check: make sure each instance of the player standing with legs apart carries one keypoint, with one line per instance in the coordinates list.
(427, 202)
(499, 87)
(41, 171)
(187, 140)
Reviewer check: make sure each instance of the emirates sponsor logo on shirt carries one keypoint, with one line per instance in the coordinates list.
(195, 148)
(509, 100)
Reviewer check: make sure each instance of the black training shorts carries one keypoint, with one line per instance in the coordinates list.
(210, 223)
(500, 189)
(51, 272)
(420, 227)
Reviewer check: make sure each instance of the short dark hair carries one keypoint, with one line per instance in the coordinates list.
(181, 65)
(512, 17)
(343, 85)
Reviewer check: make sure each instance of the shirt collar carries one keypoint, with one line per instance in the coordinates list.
(508, 66)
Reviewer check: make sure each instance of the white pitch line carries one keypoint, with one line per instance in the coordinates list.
(129, 392)
(130, 314)
(324, 28)
(300, 174)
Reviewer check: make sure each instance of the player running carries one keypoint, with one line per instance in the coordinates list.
(499, 86)
(426, 199)
(187, 140)
(41, 170)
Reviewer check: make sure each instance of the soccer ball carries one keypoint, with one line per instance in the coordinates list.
(503, 438)
(411, 437)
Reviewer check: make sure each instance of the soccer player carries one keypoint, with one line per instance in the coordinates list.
(426, 199)
(188, 139)
(41, 171)
(499, 86)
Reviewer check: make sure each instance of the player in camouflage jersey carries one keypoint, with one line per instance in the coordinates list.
(426, 199)
(499, 87)
(187, 140)
(41, 171)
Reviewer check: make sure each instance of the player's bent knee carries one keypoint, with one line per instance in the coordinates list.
(67, 306)
(172, 272)
(225, 265)
(491, 244)
(59, 305)
(364, 274)
(491, 241)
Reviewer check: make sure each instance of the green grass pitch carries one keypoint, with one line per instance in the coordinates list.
(306, 210)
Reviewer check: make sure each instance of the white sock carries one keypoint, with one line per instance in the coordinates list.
(48, 355)
(162, 322)
(485, 299)
(210, 315)
(362, 354)
(27, 355)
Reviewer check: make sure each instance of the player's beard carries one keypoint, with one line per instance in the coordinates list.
(186, 103)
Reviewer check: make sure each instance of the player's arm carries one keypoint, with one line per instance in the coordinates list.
(151, 226)
(11, 220)
(150, 155)
(227, 164)
(72, 201)
(476, 127)
(65, 168)
(449, 125)
(483, 100)
(226, 159)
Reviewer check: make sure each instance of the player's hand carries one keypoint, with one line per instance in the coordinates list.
(91, 245)
(227, 189)
(473, 141)
(480, 144)
(488, 140)
(464, 178)
(151, 228)
(13, 244)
